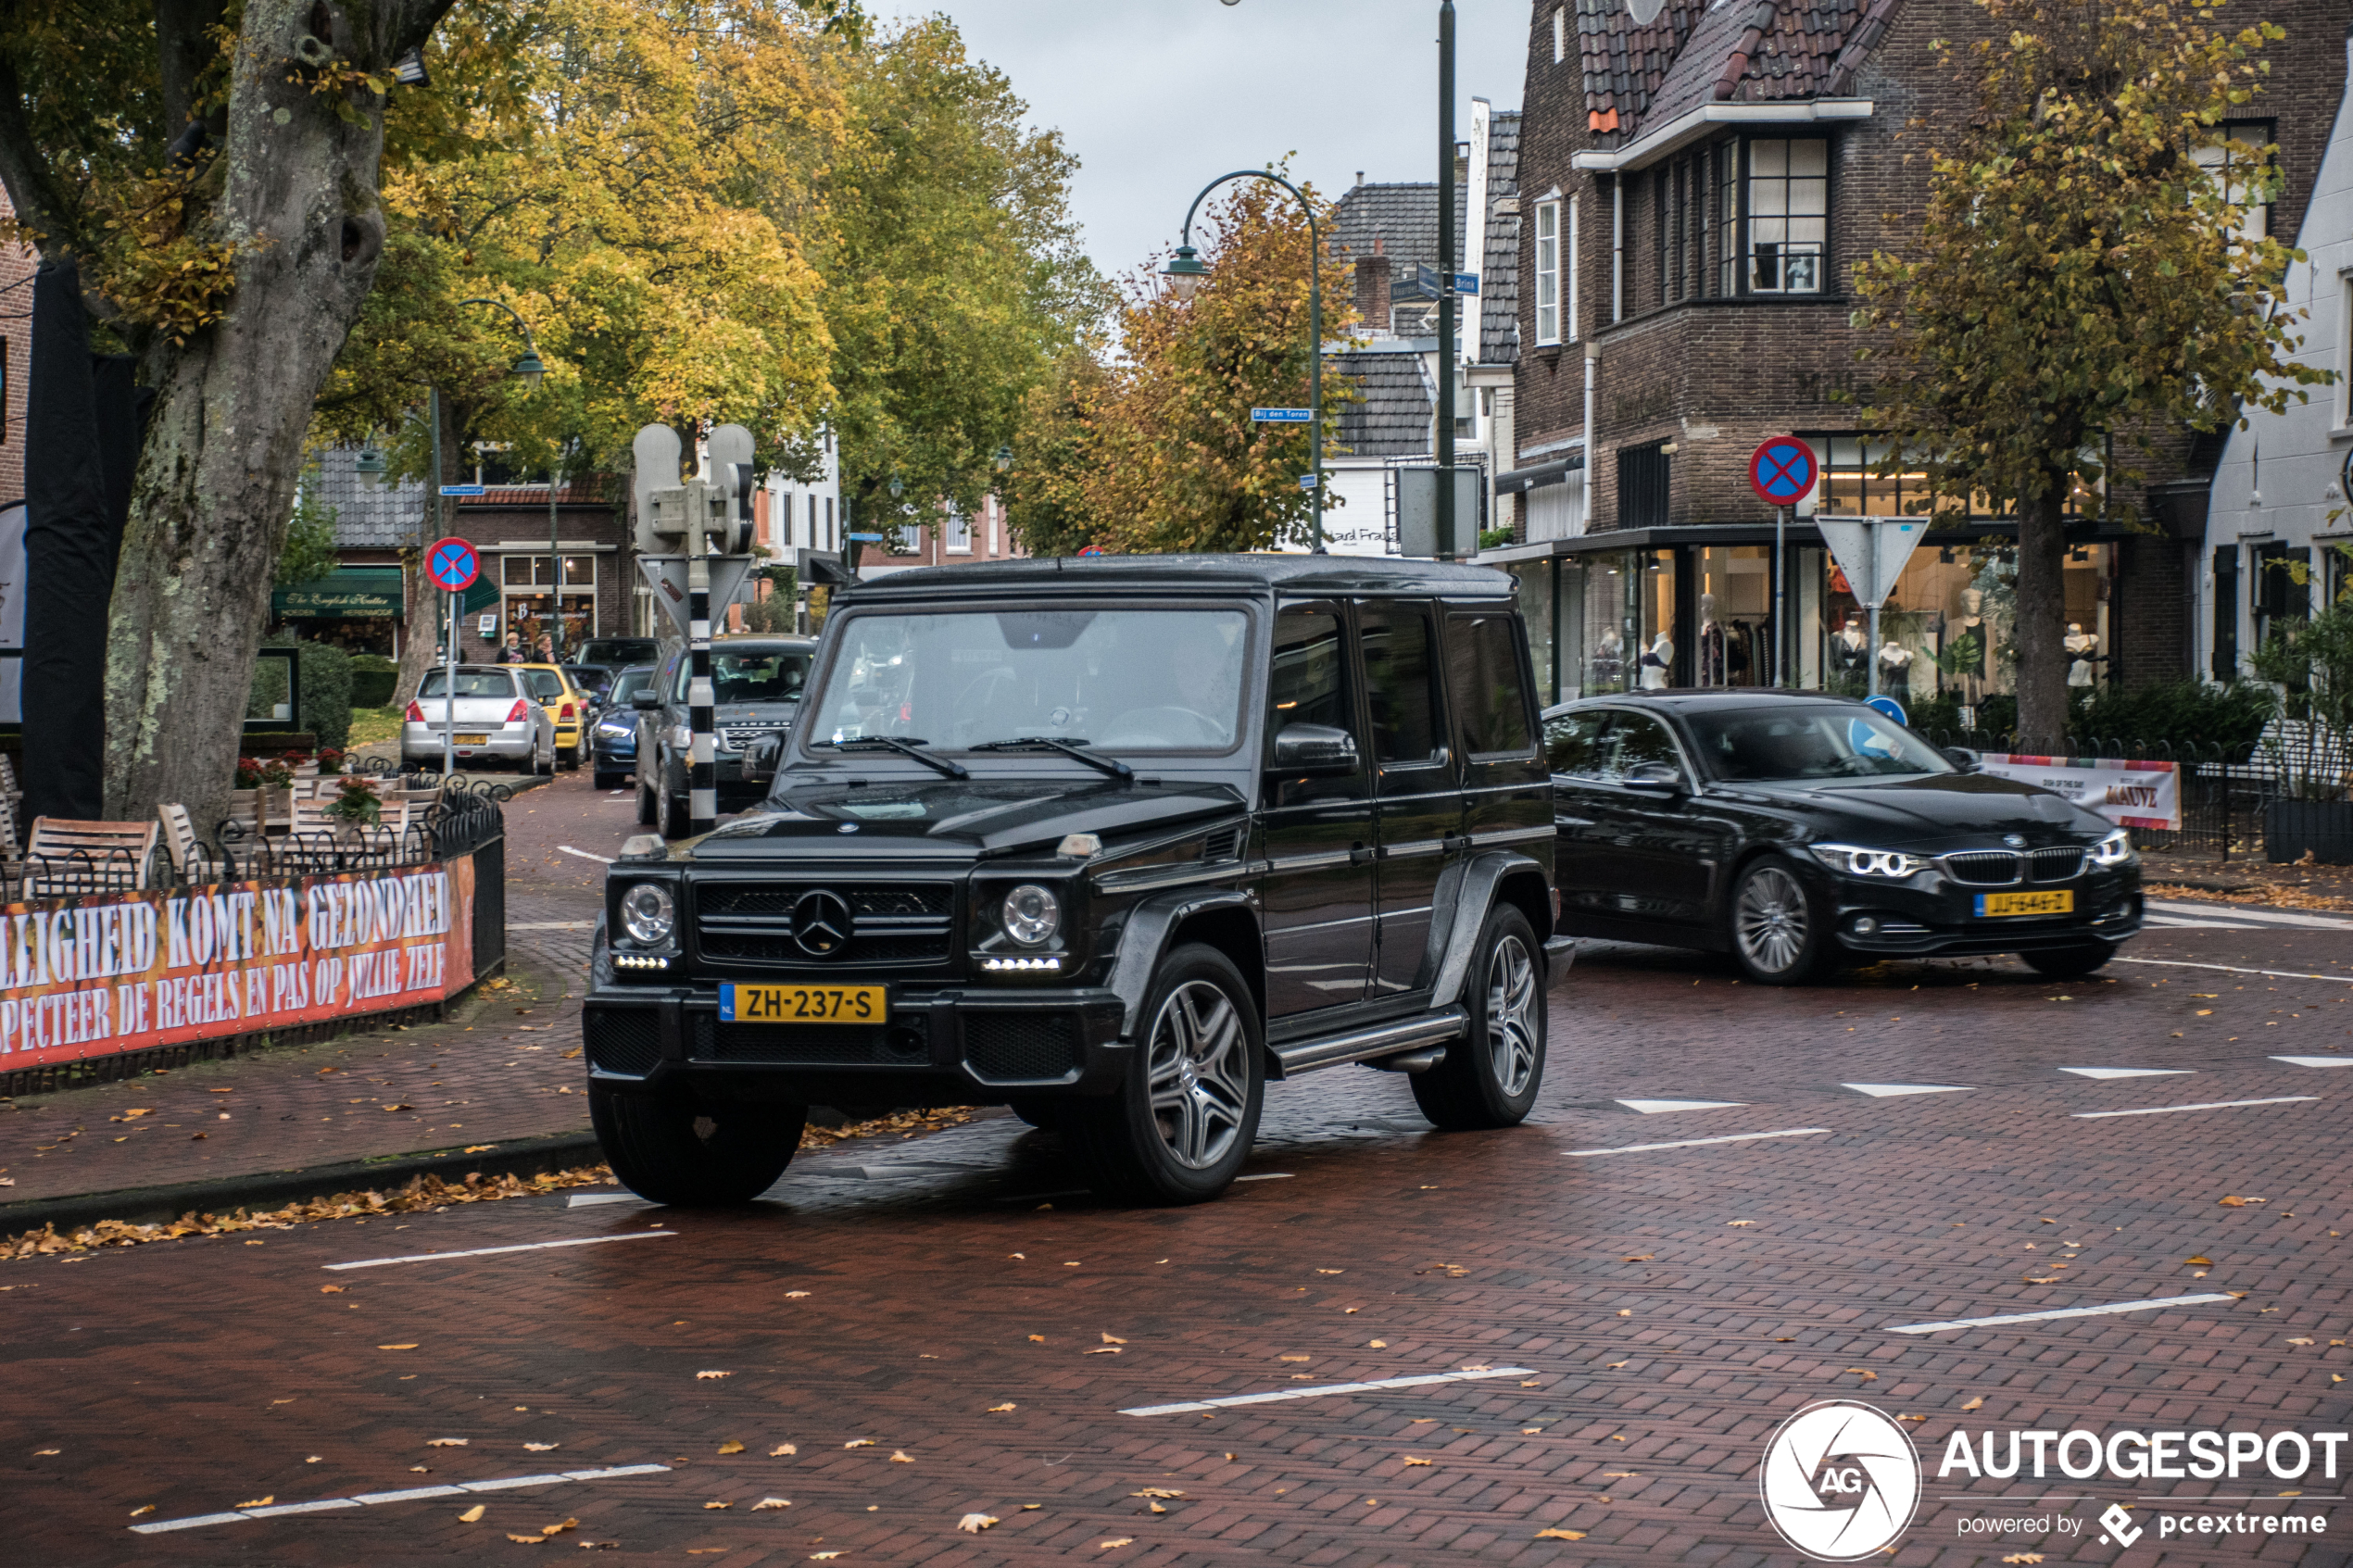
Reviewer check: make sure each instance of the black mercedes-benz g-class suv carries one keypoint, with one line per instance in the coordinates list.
(1112, 842)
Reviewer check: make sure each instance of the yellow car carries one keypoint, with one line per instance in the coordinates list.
(553, 688)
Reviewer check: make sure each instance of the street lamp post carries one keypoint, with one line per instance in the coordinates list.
(1185, 270)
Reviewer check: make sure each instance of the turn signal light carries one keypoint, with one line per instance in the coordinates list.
(416, 714)
(517, 713)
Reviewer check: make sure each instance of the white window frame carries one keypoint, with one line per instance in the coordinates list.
(1574, 335)
(956, 534)
(1560, 34)
(1548, 273)
(2344, 348)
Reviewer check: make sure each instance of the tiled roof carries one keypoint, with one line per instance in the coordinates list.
(1393, 421)
(1735, 51)
(369, 515)
(1403, 218)
(1499, 273)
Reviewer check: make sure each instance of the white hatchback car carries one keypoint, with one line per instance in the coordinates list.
(496, 718)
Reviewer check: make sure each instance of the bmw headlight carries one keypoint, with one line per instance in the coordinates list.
(649, 914)
(1854, 862)
(2116, 849)
(1031, 915)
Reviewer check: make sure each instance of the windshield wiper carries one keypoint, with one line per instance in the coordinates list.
(1110, 765)
(907, 745)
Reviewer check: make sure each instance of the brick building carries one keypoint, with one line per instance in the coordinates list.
(16, 264)
(1695, 190)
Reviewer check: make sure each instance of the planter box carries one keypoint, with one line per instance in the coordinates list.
(2323, 827)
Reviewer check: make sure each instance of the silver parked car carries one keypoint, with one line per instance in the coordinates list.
(497, 720)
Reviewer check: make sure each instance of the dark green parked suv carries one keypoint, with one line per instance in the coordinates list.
(1112, 842)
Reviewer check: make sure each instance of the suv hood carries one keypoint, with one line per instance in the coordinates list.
(978, 817)
(1937, 812)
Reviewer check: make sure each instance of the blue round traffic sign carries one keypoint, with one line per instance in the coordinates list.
(452, 565)
(1888, 706)
(1091, 551)
(1782, 470)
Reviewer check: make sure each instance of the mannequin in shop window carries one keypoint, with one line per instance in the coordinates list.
(1609, 659)
(1850, 650)
(1656, 662)
(1895, 667)
(1711, 643)
(2083, 654)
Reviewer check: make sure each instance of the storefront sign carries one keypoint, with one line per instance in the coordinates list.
(101, 976)
(361, 593)
(2132, 795)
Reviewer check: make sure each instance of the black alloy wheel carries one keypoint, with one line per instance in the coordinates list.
(1490, 1077)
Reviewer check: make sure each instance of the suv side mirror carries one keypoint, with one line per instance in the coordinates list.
(645, 700)
(1962, 758)
(1314, 751)
(760, 757)
(1654, 778)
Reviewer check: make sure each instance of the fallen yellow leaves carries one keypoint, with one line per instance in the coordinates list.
(546, 1530)
(395, 1347)
(1868, 1375)
(1415, 1458)
(900, 1456)
(260, 1502)
(781, 1450)
(330, 1290)
(1331, 1271)
(541, 1448)
(771, 1504)
(859, 1443)
(712, 1505)
(1000, 1410)
(1290, 1358)
(1977, 1403)
(822, 1556)
(473, 1515)
(1101, 1351)
(2300, 1342)
(1639, 1258)
(446, 1442)
(528, 1540)
(2230, 1202)
(1559, 1534)
(712, 1376)
(1157, 1492)
(974, 1524)
(731, 1447)
(1037, 1339)
(1377, 1345)
(2200, 1263)
(1115, 1540)
(2023, 1557)
(1113, 1340)
(1737, 1223)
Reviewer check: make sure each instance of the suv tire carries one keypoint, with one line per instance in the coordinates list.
(1180, 1126)
(1490, 1075)
(646, 815)
(1776, 934)
(675, 1152)
(670, 812)
(2068, 964)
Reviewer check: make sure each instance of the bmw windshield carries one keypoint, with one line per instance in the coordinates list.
(1841, 741)
(1123, 680)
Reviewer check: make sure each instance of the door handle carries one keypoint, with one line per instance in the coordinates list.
(1359, 855)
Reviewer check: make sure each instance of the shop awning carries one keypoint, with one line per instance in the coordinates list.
(481, 597)
(351, 593)
(1539, 476)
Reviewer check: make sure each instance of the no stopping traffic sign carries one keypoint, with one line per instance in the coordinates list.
(1782, 470)
(452, 565)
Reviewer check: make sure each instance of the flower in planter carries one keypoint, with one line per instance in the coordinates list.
(330, 762)
(357, 803)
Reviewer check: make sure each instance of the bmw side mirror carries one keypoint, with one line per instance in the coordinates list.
(1314, 751)
(645, 701)
(760, 758)
(1655, 778)
(1961, 758)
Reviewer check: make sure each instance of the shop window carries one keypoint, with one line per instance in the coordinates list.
(1788, 214)
(1734, 642)
(1642, 485)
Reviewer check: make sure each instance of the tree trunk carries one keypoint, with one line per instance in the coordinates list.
(232, 405)
(425, 604)
(2041, 618)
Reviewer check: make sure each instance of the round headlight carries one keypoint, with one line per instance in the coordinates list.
(1032, 915)
(647, 914)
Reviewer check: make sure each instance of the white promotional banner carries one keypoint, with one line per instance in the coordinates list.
(2132, 795)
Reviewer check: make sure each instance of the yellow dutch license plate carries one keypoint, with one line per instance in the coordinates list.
(803, 1004)
(473, 740)
(2061, 902)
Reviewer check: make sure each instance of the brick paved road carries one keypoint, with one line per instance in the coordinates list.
(1672, 1306)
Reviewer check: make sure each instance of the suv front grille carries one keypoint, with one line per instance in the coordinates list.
(897, 923)
(735, 737)
(623, 1040)
(1020, 1047)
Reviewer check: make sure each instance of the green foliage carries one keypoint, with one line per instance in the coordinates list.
(2313, 661)
(1494, 538)
(323, 672)
(308, 553)
(2179, 719)
(373, 680)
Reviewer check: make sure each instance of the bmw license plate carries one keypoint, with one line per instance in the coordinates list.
(803, 1004)
(2060, 902)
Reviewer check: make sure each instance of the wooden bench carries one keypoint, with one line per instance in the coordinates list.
(67, 857)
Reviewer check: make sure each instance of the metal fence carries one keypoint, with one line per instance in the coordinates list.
(2224, 788)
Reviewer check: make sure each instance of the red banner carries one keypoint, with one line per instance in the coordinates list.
(98, 975)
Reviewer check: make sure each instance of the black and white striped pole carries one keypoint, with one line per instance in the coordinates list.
(702, 756)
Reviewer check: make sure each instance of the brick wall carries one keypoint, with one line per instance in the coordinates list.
(17, 263)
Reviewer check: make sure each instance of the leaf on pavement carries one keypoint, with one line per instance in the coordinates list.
(2038, 1279)
(1115, 1540)
(1739, 1223)
(2229, 1202)
(1613, 1366)
(2300, 1342)
(974, 1524)
(1157, 1492)
(822, 1556)
(473, 1515)
(712, 1505)
(1975, 1404)
(257, 1502)
(404, 1108)
(1114, 1350)
(1415, 1458)
(330, 1290)
(395, 1347)
(137, 1512)
(1560, 1535)
(1290, 1358)
(900, 1456)
(781, 1450)
(2023, 1557)
(1639, 1258)
(2200, 1263)
(859, 1443)
(1868, 1375)
(541, 1448)
(731, 1447)
(712, 1376)
(446, 1442)
(528, 1540)
(1377, 1345)
(560, 1529)
(1113, 1340)
(1331, 1271)
(768, 1503)
(1000, 1410)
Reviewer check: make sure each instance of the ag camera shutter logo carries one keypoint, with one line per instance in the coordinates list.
(1841, 1480)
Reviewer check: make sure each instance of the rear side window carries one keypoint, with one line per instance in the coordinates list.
(470, 683)
(1401, 677)
(1483, 678)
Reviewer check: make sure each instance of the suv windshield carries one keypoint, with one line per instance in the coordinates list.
(1132, 680)
(470, 683)
(744, 674)
(628, 684)
(1811, 743)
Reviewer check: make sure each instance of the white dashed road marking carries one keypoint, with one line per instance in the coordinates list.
(2234, 968)
(2060, 1313)
(408, 1494)
(2253, 916)
(2126, 1071)
(2209, 1105)
(1470, 1375)
(494, 1252)
(601, 859)
(1658, 1107)
(1696, 1143)
(553, 925)
(1883, 1091)
(2315, 1060)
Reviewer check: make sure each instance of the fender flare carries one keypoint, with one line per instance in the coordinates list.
(1474, 889)
(1145, 939)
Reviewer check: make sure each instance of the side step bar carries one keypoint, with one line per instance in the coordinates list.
(1387, 1039)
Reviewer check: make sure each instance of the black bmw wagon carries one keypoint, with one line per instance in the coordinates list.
(1797, 831)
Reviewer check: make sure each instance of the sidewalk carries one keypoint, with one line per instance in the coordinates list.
(503, 1068)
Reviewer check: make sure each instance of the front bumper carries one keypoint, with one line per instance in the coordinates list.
(1930, 915)
(944, 1043)
(614, 748)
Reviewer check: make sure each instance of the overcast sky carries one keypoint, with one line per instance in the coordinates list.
(1157, 98)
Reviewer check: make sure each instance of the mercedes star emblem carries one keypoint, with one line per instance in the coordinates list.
(821, 923)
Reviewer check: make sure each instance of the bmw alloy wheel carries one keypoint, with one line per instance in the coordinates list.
(1770, 921)
(1511, 1015)
(1200, 1082)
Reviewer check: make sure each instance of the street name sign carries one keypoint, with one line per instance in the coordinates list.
(463, 489)
(1280, 416)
